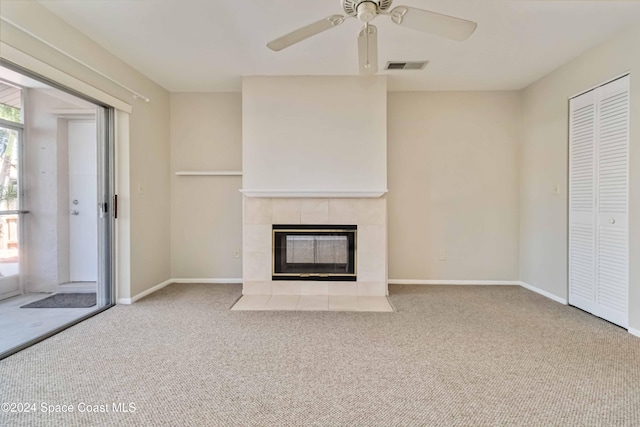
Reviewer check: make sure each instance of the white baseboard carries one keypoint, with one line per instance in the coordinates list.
(167, 282)
(210, 280)
(479, 282)
(145, 293)
(634, 332)
(390, 281)
(544, 293)
(452, 282)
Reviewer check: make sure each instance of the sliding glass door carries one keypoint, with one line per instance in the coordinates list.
(56, 215)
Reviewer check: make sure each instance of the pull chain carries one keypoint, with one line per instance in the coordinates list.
(366, 29)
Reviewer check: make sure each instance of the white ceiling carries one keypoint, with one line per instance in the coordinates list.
(207, 45)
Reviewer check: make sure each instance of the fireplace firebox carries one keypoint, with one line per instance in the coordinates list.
(314, 252)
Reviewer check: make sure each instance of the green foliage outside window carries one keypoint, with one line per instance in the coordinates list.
(8, 192)
(12, 114)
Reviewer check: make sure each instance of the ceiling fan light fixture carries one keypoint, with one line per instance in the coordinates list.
(351, 6)
(367, 10)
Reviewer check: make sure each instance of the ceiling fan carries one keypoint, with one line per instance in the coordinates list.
(366, 11)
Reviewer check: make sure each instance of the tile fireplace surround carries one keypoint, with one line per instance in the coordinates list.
(369, 214)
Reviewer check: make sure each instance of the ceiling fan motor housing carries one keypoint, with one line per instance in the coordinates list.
(367, 11)
(351, 6)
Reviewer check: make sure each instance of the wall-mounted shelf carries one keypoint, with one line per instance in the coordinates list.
(209, 173)
(356, 194)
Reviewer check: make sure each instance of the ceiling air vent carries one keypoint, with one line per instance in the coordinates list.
(407, 65)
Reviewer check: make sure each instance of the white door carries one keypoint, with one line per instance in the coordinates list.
(613, 201)
(598, 202)
(582, 229)
(83, 202)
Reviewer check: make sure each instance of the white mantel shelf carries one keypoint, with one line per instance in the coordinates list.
(209, 173)
(322, 194)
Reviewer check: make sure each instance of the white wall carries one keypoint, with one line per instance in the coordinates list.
(148, 154)
(314, 133)
(206, 212)
(543, 219)
(453, 185)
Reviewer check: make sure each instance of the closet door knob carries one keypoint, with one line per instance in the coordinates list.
(612, 221)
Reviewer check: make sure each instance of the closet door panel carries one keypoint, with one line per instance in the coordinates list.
(582, 177)
(613, 200)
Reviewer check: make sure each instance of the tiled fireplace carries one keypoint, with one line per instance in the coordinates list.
(367, 216)
(314, 153)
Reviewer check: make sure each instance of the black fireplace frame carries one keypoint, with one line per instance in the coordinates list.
(279, 269)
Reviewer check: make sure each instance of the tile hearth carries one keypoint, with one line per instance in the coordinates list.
(312, 303)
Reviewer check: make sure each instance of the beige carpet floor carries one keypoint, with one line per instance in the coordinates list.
(449, 356)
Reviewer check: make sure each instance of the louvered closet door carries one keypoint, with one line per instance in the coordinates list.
(612, 202)
(599, 202)
(582, 218)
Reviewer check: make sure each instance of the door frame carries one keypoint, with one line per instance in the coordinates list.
(105, 130)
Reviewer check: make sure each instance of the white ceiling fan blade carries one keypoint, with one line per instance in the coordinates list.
(305, 32)
(434, 23)
(368, 49)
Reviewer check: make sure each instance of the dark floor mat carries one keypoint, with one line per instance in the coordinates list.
(64, 300)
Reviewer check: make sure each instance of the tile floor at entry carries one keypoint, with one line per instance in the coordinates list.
(312, 303)
(19, 325)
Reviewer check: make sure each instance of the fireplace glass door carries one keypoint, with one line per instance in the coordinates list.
(314, 252)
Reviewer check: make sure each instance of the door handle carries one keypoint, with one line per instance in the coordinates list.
(612, 221)
(74, 212)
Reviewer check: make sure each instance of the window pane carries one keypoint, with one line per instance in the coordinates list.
(10, 103)
(9, 222)
(8, 169)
